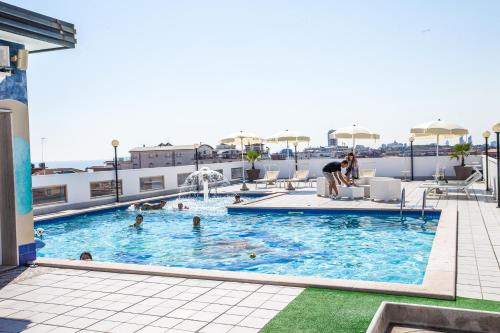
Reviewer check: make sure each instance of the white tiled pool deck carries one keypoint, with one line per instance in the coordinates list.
(65, 300)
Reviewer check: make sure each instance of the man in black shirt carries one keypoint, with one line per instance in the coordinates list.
(333, 173)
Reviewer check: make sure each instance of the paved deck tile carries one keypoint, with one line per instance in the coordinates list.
(170, 305)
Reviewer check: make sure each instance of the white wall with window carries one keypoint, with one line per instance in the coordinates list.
(105, 188)
(154, 183)
(135, 181)
(49, 195)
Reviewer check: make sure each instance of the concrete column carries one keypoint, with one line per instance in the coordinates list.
(7, 199)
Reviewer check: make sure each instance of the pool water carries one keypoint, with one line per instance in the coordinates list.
(377, 247)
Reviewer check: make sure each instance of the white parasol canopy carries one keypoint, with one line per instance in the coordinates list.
(354, 132)
(439, 130)
(242, 138)
(289, 137)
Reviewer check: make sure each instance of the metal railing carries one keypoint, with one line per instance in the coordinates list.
(424, 199)
(403, 201)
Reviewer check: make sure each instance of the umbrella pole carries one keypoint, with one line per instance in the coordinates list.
(437, 156)
(289, 186)
(288, 157)
(296, 162)
(244, 186)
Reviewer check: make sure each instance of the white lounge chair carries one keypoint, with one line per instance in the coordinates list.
(270, 178)
(367, 173)
(455, 182)
(300, 176)
(458, 185)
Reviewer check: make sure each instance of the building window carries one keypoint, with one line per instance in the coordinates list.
(181, 178)
(236, 173)
(49, 195)
(151, 165)
(104, 188)
(152, 183)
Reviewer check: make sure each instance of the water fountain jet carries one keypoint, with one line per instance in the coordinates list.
(205, 178)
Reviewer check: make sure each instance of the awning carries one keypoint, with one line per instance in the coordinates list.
(37, 32)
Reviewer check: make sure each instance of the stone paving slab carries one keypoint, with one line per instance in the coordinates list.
(64, 300)
(478, 251)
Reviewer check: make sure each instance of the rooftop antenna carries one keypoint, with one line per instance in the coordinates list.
(42, 141)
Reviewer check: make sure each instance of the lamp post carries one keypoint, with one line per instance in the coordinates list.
(486, 135)
(496, 129)
(411, 139)
(115, 143)
(196, 156)
(42, 140)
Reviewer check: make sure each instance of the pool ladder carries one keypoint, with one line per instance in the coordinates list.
(403, 202)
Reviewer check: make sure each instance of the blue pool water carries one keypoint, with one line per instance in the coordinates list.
(375, 247)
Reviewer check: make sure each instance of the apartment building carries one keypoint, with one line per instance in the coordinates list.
(169, 155)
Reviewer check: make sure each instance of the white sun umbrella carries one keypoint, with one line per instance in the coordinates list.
(242, 138)
(289, 137)
(354, 132)
(439, 130)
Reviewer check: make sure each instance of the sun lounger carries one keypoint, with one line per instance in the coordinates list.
(270, 178)
(453, 185)
(456, 182)
(367, 173)
(300, 176)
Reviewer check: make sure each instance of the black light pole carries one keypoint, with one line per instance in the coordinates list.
(196, 156)
(486, 135)
(496, 129)
(115, 143)
(411, 157)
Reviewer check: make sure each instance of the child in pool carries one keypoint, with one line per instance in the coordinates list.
(138, 221)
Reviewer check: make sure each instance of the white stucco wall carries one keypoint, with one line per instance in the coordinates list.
(78, 184)
(492, 173)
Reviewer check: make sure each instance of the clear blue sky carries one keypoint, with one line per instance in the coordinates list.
(191, 71)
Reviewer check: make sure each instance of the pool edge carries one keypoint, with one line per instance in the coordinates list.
(439, 280)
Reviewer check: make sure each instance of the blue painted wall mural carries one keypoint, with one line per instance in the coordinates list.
(22, 167)
(14, 94)
(14, 86)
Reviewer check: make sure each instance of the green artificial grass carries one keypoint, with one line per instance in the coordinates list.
(326, 310)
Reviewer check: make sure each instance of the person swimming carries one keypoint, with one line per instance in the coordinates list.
(237, 199)
(138, 221)
(150, 206)
(181, 206)
(196, 221)
(138, 206)
(86, 256)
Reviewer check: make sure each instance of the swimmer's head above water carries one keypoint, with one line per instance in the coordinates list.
(138, 221)
(196, 221)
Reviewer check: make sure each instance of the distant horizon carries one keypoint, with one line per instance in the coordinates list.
(187, 71)
(274, 149)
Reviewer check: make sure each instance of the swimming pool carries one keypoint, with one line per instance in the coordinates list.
(349, 245)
